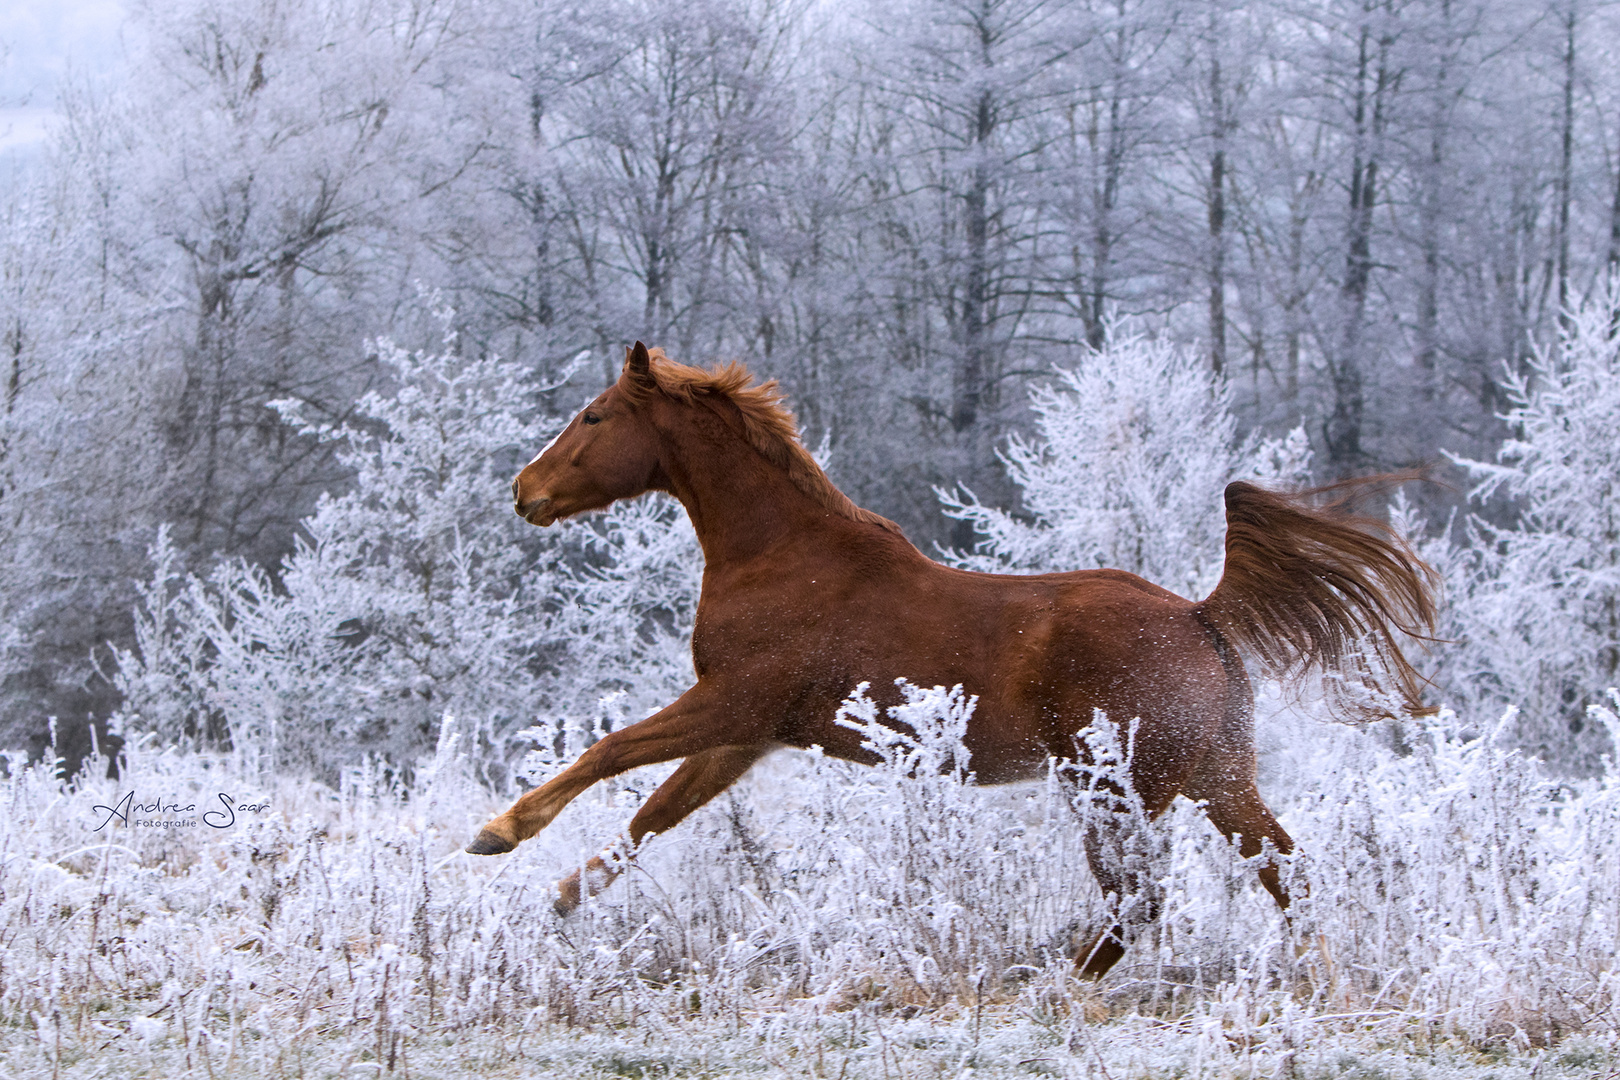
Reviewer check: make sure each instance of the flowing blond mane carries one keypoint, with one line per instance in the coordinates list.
(768, 425)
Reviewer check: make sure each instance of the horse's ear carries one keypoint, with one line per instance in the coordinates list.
(638, 366)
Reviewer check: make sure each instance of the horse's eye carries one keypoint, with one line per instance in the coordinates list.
(592, 418)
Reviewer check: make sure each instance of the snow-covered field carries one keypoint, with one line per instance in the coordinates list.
(820, 920)
(211, 231)
(299, 908)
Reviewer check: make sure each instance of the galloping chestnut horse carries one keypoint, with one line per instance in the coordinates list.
(805, 595)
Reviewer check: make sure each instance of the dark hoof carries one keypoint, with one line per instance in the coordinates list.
(1096, 961)
(488, 843)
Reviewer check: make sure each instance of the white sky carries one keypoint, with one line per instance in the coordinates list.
(39, 39)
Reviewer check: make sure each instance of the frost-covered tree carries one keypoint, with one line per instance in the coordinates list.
(1133, 448)
(959, 92)
(665, 126)
(219, 229)
(407, 596)
(76, 440)
(1536, 612)
(274, 178)
(417, 593)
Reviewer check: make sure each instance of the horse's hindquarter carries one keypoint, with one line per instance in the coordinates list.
(1067, 645)
(1040, 652)
(1138, 652)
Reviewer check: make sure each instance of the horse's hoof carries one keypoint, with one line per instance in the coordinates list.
(1103, 954)
(489, 843)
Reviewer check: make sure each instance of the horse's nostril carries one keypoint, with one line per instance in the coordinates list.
(514, 489)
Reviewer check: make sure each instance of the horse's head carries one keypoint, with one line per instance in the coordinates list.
(606, 453)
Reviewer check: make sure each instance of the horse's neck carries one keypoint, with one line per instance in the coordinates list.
(739, 504)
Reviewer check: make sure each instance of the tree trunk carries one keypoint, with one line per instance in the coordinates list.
(1566, 164)
(1102, 234)
(1613, 262)
(1342, 431)
(1429, 209)
(1217, 213)
(968, 388)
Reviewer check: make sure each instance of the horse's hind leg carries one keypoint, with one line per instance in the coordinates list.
(1123, 852)
(700, 778)
(1241, 813)
(1225, 779)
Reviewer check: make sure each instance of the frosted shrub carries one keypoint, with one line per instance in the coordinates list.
(934, 872)
(1535, 609)
(405, 597)
(418, 594)
(1492, 862)
(1133, 448)
(624, 609)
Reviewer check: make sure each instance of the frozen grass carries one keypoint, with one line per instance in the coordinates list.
(820, 920)
(854, 1045)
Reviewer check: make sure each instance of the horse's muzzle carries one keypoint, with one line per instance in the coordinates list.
(535, 511)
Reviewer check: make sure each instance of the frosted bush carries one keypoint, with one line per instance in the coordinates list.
(624, 611)
(404, 597)
(945, 863)
(418, 593)
(1133, 448)
(1535, 609)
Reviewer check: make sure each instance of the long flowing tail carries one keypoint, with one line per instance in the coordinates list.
(1319, 588)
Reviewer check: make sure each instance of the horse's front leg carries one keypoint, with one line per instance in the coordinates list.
(693, 723)
(700, 778)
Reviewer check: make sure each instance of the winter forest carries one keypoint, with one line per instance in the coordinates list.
(298, 287)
